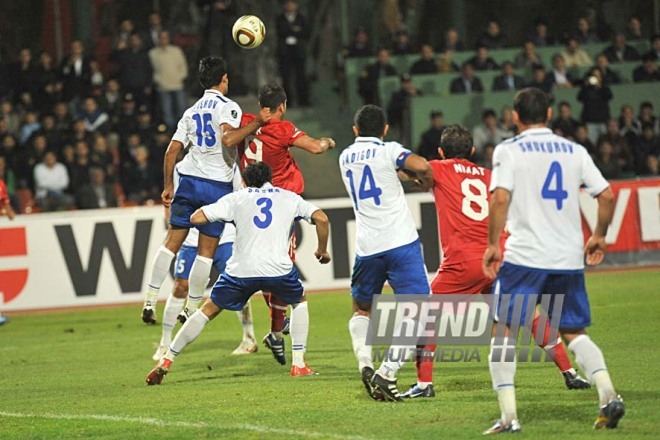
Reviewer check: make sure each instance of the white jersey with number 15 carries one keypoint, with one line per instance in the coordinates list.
(369, 170)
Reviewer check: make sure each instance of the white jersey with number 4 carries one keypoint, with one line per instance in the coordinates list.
(384, 222)
(200, 128)
(544, 173)
(263, 218)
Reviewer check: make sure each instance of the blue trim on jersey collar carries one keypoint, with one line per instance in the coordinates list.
(217, 94)
(369, 139)
(535, 132)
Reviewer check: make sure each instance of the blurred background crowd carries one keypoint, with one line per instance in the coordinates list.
(90, 92)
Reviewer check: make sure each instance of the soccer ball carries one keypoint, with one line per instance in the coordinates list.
(249, 32)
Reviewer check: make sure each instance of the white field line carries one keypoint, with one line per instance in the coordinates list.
(165, 423)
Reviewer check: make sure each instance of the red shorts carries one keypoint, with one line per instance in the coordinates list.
(465, 277)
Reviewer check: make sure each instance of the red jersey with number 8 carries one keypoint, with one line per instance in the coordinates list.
(270, 145)
(460, 189)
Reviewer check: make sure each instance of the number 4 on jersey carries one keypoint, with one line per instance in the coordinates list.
(367, 189)
(555, 178)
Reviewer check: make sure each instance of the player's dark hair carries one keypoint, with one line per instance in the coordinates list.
(271, 96)
(256, 174)
(370, 121)
(456, 142)
(211, 71)
(531, 104)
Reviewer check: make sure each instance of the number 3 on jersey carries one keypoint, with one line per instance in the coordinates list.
(558, 194)
(367, 189)
(265, 210)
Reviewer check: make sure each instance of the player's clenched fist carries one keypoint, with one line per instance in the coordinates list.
(166, 196)
(323, 257)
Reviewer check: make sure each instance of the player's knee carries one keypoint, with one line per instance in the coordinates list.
(180, 289)
(210, 309)
(361, 308)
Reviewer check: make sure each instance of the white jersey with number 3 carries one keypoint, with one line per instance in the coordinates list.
(200, 128)
(544, 173)
(369, 170)
(263, 218)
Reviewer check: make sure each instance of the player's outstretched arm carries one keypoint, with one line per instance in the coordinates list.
(314, 146)
(421, 169)
(199, 218)
(322, 233)
(595, 246)
(168, 169)
(233, 136)
(499, 206)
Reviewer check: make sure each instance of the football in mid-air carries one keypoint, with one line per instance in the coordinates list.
(249, 32)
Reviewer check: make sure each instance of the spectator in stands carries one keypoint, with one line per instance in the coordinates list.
(97, 193)
(430, 141)
(79, 169)
(648, 71)
(368, 81)
(7, 175)
(467, 82)
(11, 116)
(452, 41)
(506, 122)
(648, 144)
(145, 124)
(126, 29)
(9, 149)
(221, 17)
(158, 147)
(634, 30)
(22, 74)
(564, 124)
(97, 79)
(574, 56)
(508, 80)
(95, 119)
(101, 157)
(622, 150)
(652, 168)
(132, 143)
(79, 133)
(655, 47)
(583, 33)
(30, 126)
(152, 34)
(426, 64)
(646, 115)
(609, 76)
(620, 51)
(482, 60)
(540, 36)
(110, 100)
(25, 104)
(402, 44)
(488, 132)
(140, 179)
(629, 126)
(170, 70)
(359, 46)
(63, 118)
(492, 37)
(446, 63)
(595, 97)
(400, 102)
(559, 76)
(76, 75)
(51, 179)
(134, 70)
(126, 118)
(606, 161)
(582, 138)
(528, 57)
(53, 136)
(47, 82)
(486, 160)
(540, 80)
(292, 33)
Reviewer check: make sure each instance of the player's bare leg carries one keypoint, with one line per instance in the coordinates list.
(502, 364)
(173, 307)
(249, 343)
(199, 274)
(592, 362)
(189, 332)
(299, 333)
(159, 270)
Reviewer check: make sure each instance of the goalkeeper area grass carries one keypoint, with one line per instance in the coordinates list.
(81, 375)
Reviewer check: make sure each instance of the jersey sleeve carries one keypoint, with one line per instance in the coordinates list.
(222, 210)
(503, 169)
(182, 130)
(398, 154)
(436, 166)
(231, 114)
(4, 197)
(293, 133)
(592, 180)
(304, 209)
(247, 118)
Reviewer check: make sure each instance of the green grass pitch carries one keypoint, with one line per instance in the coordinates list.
(81, 375)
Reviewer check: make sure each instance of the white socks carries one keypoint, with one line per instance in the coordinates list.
(160, 267)
(502, 372)
(173, 307)
(357, 327)
(397, 354)
(197, 280)
(188, 333)
(245, 318)
(590, 359)
(299, 332)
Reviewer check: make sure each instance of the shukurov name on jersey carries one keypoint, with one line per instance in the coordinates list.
(369, 153)
(474, 171)
(545, 147)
